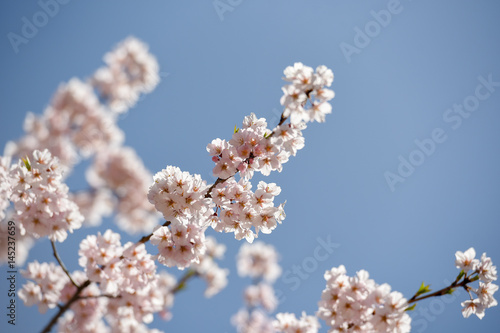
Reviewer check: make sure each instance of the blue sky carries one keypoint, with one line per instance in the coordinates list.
(404, 81)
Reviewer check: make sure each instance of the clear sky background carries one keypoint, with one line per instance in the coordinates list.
(216, 69)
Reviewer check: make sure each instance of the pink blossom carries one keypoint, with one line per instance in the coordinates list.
(258, 260)
(131, 71)
(288, 323)
(41, 198)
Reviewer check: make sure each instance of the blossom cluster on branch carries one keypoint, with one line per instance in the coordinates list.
(41, 198)
(260, 262)
(483, 270)
(120, 287)
(359, 304)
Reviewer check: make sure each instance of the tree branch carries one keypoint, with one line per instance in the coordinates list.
(181, 284)
(65, 307)
(54, 250)
(443, 291)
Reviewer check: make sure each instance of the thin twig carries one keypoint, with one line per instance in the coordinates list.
(62, 264)
(218, 181)
(143, 240)
(65, 307)
(182, 282)
(443, 291)
(97, 296)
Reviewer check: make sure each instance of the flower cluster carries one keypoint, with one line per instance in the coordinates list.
(178, 194)
(75, 105)
(261, 294)
(41, 198)
(127, 275)
(482, 270)
(48, 281)
(248, 150)
(307, 85)
(74, 122)
(241, 209)
(208, 269)
(122, 171)
(86, 314)
(180, 197)
(94, 204)
(288, 323)
(255, 321)
(115, 267)
(255, 148)
(78, 123)
(125, 313)
(358, 304)
(259, 261)
(131, 70)
(122, 313)
(180, 245)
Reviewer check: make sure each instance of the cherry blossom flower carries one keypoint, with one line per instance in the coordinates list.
(473, 306)
(288, 323)
(465, 260)
(487, 272)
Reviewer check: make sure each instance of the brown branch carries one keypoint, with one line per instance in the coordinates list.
(97, 296)
(65, 307)
(75, 297)
(143, 240)
(181, 284)
(56, 255)
(217, 182)
(443, 291)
